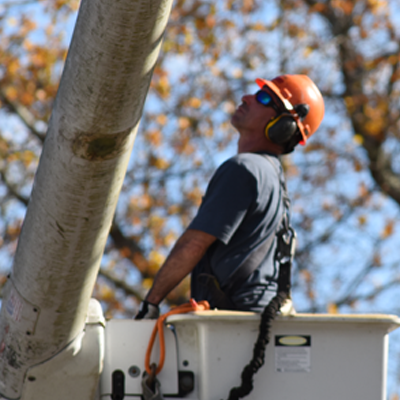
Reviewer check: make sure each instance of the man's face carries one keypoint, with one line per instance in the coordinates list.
(252, 115)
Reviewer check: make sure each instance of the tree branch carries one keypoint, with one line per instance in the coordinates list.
(348, 296)
(17, 3)
(24, 114)
(130, 249)
(382, 171)
(12, 190)
(354, 72)
(121, 284)
(370, 295)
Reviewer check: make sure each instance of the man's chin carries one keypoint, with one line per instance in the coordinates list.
(234, 121)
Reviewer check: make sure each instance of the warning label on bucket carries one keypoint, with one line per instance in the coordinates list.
(293, 353)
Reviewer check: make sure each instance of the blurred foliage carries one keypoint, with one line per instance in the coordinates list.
(345, 184)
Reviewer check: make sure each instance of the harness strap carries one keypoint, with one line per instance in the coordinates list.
(286, 242)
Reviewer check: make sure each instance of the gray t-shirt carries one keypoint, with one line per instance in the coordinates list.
(242, 207)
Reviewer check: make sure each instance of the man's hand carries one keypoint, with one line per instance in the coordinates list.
(147, 311)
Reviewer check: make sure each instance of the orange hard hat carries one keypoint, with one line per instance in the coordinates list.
(293, 90)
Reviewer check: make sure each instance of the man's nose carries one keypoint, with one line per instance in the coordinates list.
(248, 98)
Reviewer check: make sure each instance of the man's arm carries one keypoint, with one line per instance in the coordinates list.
(187, 252)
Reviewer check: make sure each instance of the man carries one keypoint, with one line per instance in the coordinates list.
(230, 246)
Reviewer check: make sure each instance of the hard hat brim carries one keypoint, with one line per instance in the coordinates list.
(271, 85)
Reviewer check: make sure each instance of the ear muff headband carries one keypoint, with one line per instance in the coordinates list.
(281, 129)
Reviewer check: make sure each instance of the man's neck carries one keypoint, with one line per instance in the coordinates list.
(252, 145)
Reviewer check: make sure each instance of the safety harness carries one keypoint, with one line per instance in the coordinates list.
(284, 253)
(221, 296)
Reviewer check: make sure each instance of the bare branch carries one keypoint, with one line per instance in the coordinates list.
(382, 171)
(24, 114)
(354, 72)
(10, 4)
(12, 190)
(130, 249)
(121, 284)
(348, 296)
(379, 290)
(329, 231)
(370, 295)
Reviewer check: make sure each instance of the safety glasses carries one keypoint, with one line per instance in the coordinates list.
(266, 100)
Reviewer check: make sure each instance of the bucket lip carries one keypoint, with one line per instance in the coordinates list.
(391, 321)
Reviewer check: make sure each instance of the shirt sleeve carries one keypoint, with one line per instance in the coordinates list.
(229, 195)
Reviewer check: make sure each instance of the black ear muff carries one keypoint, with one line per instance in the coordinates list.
(281, 129)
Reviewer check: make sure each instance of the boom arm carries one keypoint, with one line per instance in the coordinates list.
(81, 170)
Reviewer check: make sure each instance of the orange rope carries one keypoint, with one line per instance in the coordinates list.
(158, 327)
